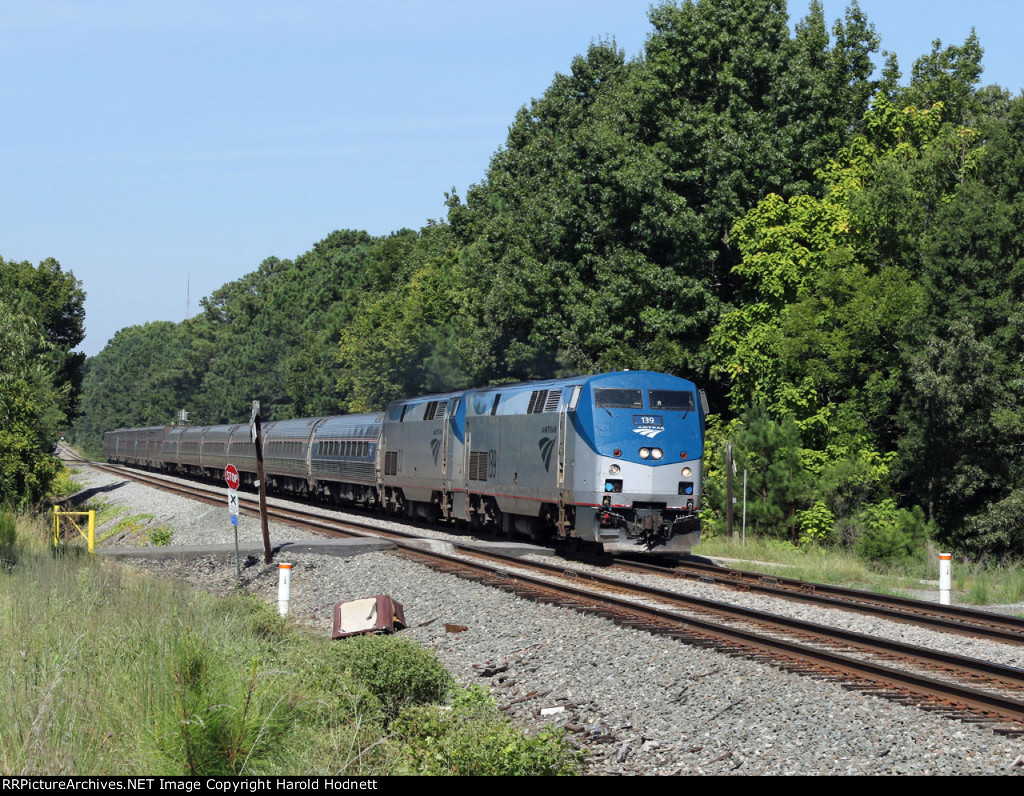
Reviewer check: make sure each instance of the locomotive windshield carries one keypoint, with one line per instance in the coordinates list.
(619, 399)
(671, 400)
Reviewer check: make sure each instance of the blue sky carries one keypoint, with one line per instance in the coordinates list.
(161, 149)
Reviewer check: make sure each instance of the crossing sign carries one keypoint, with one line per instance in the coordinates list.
(233, 502)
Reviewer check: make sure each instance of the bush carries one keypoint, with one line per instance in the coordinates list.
(999, 529)
(890, 535)
(8, 538)
(472, 738)
(398, 672)
(817, 524)
(161, 536)
(779, 485)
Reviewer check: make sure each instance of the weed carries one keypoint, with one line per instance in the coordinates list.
(397, 671)
(65, 484)
(107, 670)
(474, 739)
(1012, 590)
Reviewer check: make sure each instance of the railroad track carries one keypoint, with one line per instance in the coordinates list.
(924, 677)
(968, 689)
(948, 618)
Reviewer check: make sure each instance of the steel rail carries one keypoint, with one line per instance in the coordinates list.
(952, 695)
(951, 618)
(1009, 676)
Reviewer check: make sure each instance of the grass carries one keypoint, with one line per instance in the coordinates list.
(983, 584)
(105, 512)
(106, 670)
(137, 525)
(974, 583)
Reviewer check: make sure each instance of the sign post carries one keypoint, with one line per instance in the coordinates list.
(231, 477)
(257, 438)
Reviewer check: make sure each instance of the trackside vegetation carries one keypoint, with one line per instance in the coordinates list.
(41, 320)
(974, 583)
(832, 245)
(106, 670)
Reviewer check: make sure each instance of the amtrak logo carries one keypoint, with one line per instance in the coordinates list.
(435, 448)
(650, 433)
(480, 405)
(546, 445)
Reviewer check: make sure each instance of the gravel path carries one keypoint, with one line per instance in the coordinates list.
(638, 703)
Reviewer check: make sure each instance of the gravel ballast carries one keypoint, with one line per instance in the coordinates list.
(639, 704)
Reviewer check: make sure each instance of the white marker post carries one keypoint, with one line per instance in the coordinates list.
(284, 588)
(945, 577)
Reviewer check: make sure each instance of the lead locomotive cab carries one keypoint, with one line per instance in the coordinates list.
(646, 433)
(613, 459)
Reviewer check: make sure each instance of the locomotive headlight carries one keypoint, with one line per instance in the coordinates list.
(614, 469)
(656, 453)
(686, 472)
(645, 453)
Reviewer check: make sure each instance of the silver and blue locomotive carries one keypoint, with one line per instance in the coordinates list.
(613, 459)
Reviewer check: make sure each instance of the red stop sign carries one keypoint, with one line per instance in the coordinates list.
(231, 476)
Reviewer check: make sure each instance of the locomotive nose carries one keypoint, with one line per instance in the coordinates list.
(625, 484)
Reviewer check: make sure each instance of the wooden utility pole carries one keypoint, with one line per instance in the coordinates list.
(257, 438)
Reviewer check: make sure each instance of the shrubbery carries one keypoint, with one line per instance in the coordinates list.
(1000, 526)
(8, 538)
(218, 723)
(891, 535)
(473, 739)
(398, 672)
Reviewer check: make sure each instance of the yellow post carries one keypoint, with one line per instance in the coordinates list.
(90, 535)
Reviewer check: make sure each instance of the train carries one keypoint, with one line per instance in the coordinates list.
(613, 459)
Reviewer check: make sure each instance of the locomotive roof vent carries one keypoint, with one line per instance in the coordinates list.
(544, 401)
(434, 410)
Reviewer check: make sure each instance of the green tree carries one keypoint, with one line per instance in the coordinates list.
(31, 409)
(780, 487)
(271, 335)
(963, 426)
(948, 75)
(962, 421)
(600, 237)
(408, 339)
(827, 309)
(41, 320)
(55, 299)
(131, 383)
